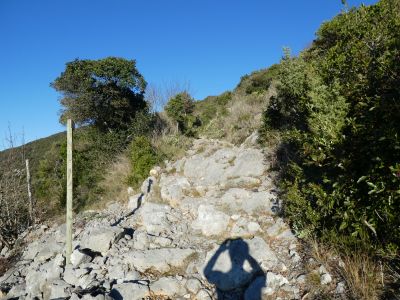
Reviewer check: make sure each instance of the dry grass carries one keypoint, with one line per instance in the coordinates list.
(364, 277)
(114, 183)
(244, 116)
(173, 146)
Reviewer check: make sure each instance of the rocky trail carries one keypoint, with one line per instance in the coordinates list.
(204, 227)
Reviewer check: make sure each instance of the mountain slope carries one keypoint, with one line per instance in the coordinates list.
(204, 227)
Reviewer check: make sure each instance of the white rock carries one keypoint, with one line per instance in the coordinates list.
(49, 250)
(77, 258)
(69, 276)
(326, 278)
(173, 189)
(158, 260)
(129, 291)
(154, 218)
(100, 238)
(167, 286)
(147, 185)
(340, 288)
(59, 289)
(140, 240)
(135, 201)
(210, 221)
(253, 227)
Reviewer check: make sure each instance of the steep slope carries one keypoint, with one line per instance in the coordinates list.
(204, 227)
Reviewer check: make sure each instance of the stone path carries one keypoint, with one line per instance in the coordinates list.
(204, 227)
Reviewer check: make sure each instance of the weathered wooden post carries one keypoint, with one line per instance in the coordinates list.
(68, 249)
(28, 182)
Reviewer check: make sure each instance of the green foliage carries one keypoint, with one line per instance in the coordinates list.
(93, 152)
(180, 109)
(106, 92)
(338, 114)
(212, 106)
(143, 157)
(259, 81)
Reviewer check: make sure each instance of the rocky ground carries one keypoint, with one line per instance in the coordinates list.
(204, 227)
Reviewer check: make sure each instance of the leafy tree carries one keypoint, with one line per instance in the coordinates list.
(180, 109)
(106, 93)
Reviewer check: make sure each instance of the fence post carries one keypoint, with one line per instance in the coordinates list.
(28, 182)
(68, 249)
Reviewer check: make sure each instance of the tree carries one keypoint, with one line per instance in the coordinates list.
(180, 109)
(106, 93)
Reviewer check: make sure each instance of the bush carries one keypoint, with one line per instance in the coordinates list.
(337, 112)
(258, 82)
(143, 157)
(180, 109)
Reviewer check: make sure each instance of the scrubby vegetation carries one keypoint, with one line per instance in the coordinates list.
(337, 116)
(336, 109)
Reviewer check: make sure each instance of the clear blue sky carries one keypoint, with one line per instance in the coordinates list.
(210, 43)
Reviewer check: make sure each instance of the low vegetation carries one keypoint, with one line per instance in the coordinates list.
(336, 117)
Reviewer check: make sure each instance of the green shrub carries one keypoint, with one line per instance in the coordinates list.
(259, 81)
(337, 112)
(143, 158)
(180, 109)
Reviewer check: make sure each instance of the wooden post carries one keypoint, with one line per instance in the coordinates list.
(68, 249)
(28, 182)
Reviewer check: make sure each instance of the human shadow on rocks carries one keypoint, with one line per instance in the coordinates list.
(244, 280)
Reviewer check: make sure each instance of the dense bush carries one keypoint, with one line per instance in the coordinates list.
(143, 157)
(337, 108)
(180, 109)
(259, 81)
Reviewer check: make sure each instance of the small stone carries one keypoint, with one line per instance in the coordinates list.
(340, 288)
(235, 217)
(193, 285)
(326, 278)
(253, 227)
(301, 279)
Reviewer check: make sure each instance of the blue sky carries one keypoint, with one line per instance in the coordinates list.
(209, 43)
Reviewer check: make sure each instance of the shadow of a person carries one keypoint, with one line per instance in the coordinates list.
(245, 274)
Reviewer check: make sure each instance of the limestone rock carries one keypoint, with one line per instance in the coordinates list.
(210, 221)
(158, 260)
(99, 239)
(173, 190)
(129, 291)
(154, 217)
(78, 257)
(167, 286)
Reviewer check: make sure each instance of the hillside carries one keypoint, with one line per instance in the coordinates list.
(203, 227)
